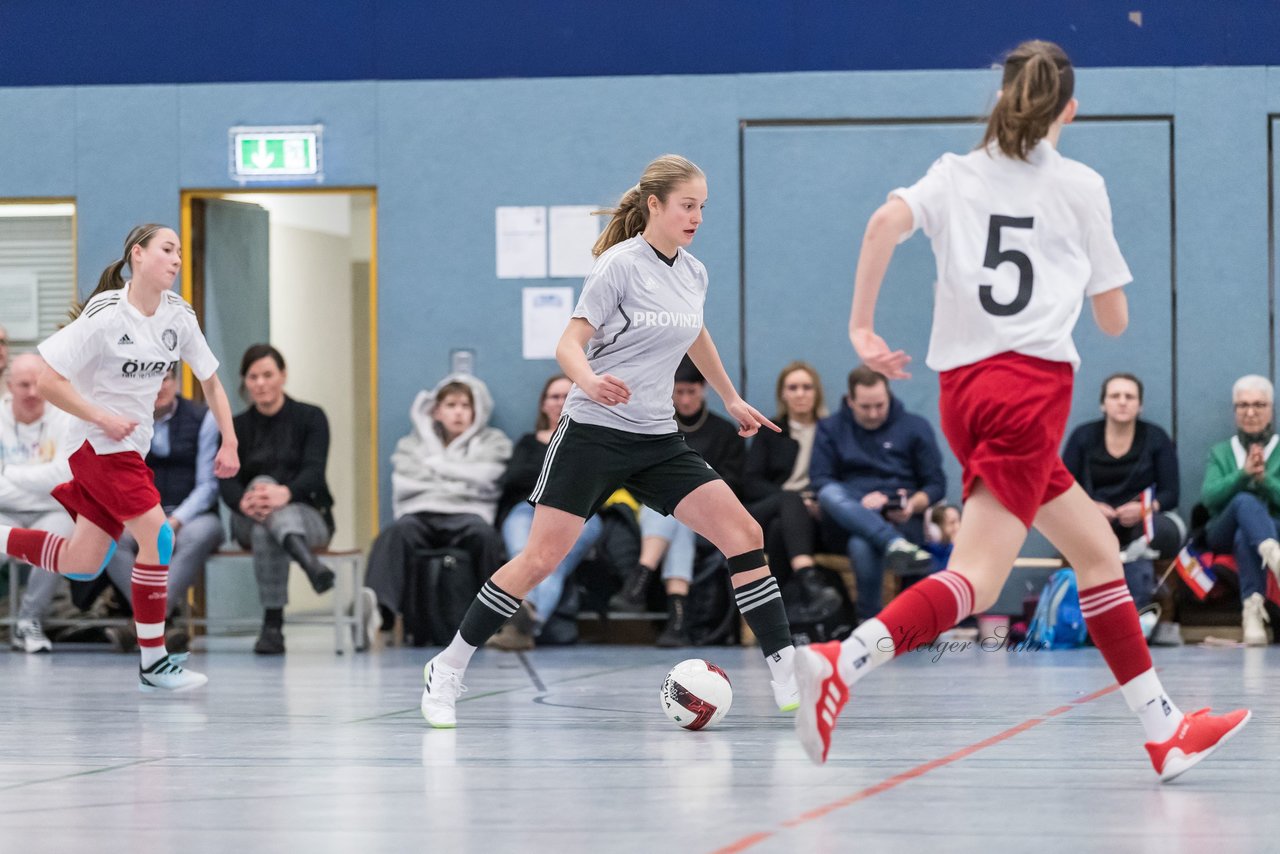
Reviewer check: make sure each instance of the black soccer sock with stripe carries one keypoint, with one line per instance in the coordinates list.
(761, 605)
(492, 607)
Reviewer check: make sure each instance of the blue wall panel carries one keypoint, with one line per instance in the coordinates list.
(444, 154)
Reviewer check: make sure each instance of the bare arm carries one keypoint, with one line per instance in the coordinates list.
(886, 227)
(604, 389)
(707, 359)
(58, 390)
(227, 461)
(1111, 311)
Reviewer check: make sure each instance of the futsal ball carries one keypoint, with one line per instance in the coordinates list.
(696, 694)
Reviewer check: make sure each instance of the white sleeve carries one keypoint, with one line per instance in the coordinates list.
(70, 349)
(1108, 269)
(927, 199)
(601, 294)
(195, 349)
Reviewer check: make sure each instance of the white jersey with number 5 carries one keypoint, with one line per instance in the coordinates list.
(1019, 245)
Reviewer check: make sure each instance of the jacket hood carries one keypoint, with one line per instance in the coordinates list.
(425, 402)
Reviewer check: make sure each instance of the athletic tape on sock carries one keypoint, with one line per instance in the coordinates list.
(747, 561)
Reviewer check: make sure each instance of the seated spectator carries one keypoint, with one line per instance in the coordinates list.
(515, 515)
(1242, 494)
(1115, 459)
(34, 446)
(183, 446)
(280, 503)
(665, 541)
(444, 489)
(876, 469)
(944, 524)
(776, 489)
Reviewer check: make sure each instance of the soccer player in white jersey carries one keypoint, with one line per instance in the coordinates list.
(639, 313)
(1022, 235)
(105, 368)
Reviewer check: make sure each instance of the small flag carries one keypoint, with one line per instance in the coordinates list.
(1148, 501)
(1199, 578)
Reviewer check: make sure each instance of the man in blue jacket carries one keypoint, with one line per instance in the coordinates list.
(876, 469)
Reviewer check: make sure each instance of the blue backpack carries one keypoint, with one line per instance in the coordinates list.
(1058, 623)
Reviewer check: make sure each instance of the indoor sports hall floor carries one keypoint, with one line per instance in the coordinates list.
(566, 750)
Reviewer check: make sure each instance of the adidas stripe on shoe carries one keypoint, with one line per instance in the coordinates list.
(822, 695)
(168, 674)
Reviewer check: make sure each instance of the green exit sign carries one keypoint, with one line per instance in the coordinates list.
(276, 153)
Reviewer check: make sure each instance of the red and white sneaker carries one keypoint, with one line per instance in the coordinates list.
(1199, 734)
(822, 695)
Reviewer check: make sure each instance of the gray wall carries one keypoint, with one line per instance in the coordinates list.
(443, 154)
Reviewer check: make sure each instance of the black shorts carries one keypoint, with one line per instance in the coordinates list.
(585, 464)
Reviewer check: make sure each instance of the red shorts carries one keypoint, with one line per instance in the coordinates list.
(1004, 418)
(108, 489)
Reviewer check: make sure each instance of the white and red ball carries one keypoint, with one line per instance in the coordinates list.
(696, 694)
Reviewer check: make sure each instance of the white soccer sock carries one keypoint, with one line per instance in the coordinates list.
(1146, 696)
(867, 648)
(457, 654)
(782, 666)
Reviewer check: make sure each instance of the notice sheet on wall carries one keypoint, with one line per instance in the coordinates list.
(573, 232)
(522, 242)
(546, 314)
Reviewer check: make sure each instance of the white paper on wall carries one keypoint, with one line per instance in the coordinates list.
(20, 304)
(522, 242)
(546, 314)
(573, 232)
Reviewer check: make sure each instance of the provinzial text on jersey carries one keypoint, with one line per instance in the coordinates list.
(683, 319)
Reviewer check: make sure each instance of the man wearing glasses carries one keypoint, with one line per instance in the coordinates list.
(1242, 494)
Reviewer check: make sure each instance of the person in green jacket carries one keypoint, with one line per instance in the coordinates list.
(1242, 494)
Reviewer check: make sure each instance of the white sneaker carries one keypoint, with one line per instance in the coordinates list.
(29, 636)
(168, 674)
(905, 557)
(443, 687)
(786, 694)
(372, 622)
(1269, 550)
(1148, 618)
(1254, 620)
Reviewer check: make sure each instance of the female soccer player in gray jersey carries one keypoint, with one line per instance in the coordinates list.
(639, 313)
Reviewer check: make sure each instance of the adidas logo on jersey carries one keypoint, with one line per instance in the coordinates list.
(125, 339)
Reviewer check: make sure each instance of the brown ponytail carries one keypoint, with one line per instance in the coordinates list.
(111, 278)
(1038, 84)
(632, 213)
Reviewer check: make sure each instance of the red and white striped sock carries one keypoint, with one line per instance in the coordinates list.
(38, 548)
(150, 606)
(914, 618)
(1113, 624)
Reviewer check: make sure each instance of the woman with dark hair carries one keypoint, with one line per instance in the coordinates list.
(280, 504)
(1116, 459)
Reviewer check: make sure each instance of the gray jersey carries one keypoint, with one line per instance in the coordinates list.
(646, 316)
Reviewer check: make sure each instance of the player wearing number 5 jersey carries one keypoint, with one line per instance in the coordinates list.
(105, 368)
(1022, 235)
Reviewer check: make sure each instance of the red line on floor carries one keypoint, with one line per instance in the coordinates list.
(898, 779)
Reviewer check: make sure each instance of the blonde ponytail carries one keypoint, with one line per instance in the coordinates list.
(631, 215)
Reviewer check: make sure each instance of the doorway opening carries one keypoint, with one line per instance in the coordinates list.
(297, 269)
